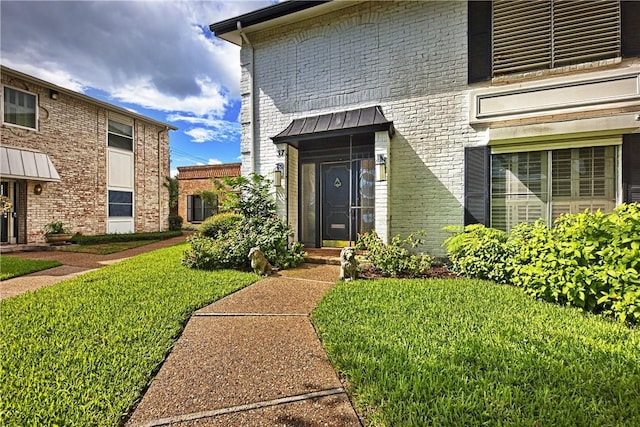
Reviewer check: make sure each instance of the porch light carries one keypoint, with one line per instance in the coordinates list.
(53, 94)
(37, 189)
(277, 175)
(381, 167)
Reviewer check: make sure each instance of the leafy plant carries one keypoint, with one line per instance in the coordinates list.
(479, 252)
(251, 220)
(175, 222)
(56, 227)
(394, 259)
(220, 225)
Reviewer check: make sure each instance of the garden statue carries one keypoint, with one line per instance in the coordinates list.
(348, 264)
(259, 263)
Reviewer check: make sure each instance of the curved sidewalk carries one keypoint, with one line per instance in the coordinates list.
(73, 264)
(252, 359)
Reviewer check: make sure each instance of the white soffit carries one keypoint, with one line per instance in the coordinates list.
(16, 163)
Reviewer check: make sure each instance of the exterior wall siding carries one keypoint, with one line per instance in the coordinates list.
(409, 57)
(73, 132)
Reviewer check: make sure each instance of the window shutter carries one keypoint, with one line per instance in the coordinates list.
(585, 30)
(629, 17)
(521, 35)
(189, 208)
(631, 167)
(476, 185)
(479, 41)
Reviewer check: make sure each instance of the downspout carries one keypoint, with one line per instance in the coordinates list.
(252, 106)
(160, 178)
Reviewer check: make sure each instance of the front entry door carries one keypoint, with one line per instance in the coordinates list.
(336, 203)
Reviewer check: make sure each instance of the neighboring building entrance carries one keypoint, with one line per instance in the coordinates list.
(8, 223)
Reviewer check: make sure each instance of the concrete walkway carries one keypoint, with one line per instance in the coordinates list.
(252, 359)
(73, 264)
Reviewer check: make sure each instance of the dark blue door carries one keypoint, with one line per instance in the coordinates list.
(335, 202)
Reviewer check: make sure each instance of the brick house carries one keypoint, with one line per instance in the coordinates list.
(192, 180)
(66, 156)
(401, 116)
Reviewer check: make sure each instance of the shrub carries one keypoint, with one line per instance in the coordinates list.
(124, 237)
(394, 259)
(588, 260)
(175, 222)
(220, 224)
(479, 252)
(256, 224)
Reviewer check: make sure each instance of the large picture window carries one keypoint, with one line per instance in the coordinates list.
(545, 184)
(120, 136)
(120, 203)
(19, 108)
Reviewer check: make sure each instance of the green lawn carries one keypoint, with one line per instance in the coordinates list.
(14, 266)
(106, 248)
(469, 352)
(82, 351)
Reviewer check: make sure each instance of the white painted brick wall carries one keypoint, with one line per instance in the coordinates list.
(408, 57)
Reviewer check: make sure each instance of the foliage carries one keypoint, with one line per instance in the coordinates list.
(5, 204)
(56, 227)
(588, 260)
(83, 351)
(171, 183)
(209, 198)
(466, 352)
(124, 237)
(394, 259)
(479, 252)
(258, 226)
(14, 266)
(220, 225)
(175, 222)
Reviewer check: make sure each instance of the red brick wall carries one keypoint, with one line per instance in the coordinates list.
(73, 132)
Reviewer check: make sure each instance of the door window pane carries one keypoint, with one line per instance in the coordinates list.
(308, 204)
(366, 195)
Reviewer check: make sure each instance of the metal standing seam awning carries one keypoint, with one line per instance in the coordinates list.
(343, 123)
(18, 163)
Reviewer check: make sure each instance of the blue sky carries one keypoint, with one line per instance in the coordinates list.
(157, 58)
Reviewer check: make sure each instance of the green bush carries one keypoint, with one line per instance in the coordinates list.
(588, 260)
(479, 252)
(394, 259)
(124, 237)
(220, 224)
(175, 222)
(258, 225)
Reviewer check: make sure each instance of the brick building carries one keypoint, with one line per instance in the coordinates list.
(192, 180)
(401, 116)
(65, 156)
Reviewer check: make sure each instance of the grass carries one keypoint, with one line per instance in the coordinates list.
(81, 352)
(107, 248)
(470, 352)
(13, 266)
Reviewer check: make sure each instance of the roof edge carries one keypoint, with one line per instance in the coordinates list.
(262, 15)
(84, 97)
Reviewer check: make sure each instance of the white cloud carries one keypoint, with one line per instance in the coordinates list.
(173, 173)
(215, 162)
(200, 135)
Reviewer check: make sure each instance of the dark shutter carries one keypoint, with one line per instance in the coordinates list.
(476, 185)
(189, 208)
(631, 168)
(479, 41)
(630, 28)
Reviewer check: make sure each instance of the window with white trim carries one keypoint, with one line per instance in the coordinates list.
(523, 190)
(120, 135)
(120, 203)
(20, 108)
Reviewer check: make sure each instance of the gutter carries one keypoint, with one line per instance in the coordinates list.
(252, 106)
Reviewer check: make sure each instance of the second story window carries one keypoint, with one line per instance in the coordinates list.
(19, 108)
(120, 136)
